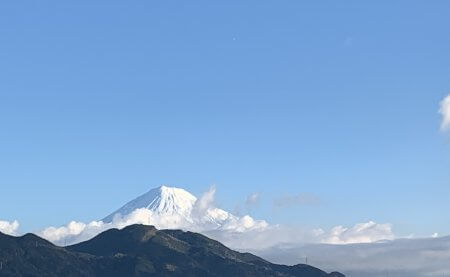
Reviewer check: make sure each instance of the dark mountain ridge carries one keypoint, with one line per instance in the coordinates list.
(138, 250)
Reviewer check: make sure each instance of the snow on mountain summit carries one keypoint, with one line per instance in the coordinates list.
(162, 200)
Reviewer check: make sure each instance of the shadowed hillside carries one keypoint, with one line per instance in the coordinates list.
(138, 250)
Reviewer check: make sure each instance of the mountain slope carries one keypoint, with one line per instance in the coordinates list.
(32, 256)
(178, 253)
(138, 250)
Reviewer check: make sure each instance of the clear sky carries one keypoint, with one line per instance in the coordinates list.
(337, 101)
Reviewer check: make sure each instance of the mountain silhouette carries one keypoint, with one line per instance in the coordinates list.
(138, 250)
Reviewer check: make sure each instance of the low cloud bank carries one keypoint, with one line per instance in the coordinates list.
(398, 258)
(75, 232)
(360, 233)
(284, 236)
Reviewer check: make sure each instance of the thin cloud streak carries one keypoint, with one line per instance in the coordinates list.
(444, 110)
(252, 199)
(301, 199)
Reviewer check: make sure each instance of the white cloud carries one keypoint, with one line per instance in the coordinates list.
(264, 237)
(267, 236)
(75, 232)
(360, 233)
(205, 202)
(244, 224)
(444, 110)
(9, 228)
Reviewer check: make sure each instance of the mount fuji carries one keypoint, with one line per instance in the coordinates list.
(176, 207)
(162, 200)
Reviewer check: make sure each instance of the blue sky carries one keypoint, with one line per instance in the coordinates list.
(99, 102)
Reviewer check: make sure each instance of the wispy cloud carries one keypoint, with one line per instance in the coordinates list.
(444, 110)
(205, 202)
(252, 199)
(301, 199)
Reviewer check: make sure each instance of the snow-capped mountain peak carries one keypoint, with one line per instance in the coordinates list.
(170, 207)
(162, 200)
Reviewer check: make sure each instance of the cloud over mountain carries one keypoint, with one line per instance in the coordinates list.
(9, 228)
(174, 208)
